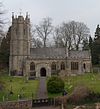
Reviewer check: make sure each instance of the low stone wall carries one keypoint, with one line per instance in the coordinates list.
(17, 105)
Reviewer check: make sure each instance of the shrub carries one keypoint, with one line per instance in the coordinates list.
(61, 99)
(93, 96)
(82, 94)
(55, 85)
(79, 94)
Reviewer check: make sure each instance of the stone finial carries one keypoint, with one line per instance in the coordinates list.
(27, 17)
(20, 12)
(16, 16)
(26, 13)
(12, 15)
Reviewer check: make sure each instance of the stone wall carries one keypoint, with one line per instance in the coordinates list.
(16, 105)
(44, 64)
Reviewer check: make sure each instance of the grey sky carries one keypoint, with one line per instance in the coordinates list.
(87, 11)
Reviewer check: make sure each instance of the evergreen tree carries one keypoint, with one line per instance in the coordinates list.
(5, 50)
(96, 47)
(90, 43)
(91, 47)
(97, 33)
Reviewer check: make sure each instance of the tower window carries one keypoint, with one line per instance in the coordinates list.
(74, 65)
(84, 66)
(24, 32)
(16, 31)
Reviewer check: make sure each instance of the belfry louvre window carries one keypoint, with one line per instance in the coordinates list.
(24, 31)
(74, 65)
(16, 31)
(53, 66)
(32, 66)
(62, 66)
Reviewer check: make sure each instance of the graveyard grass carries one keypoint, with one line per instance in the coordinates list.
(90, 80)
(18, 86)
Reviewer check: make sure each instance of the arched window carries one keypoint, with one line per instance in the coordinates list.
(32, 66)
(62, 66)
(53, 66)
(16, 31)
(74, 65)
(24, 31)
(84, 66)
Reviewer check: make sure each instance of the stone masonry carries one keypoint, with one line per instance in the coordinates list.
(36, 62)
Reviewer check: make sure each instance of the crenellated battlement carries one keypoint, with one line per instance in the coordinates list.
(20, 19)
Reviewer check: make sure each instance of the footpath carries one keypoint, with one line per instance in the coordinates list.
(42, 93)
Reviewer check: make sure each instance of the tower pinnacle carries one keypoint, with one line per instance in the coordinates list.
(12, 15)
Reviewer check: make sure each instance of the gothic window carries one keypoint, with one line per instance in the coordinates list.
(62, 66)
(84, 66)
(74, 66)
(24, 31)
(16, 31)
(32, 66)
(53, 66)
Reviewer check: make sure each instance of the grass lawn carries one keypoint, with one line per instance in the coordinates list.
(18, 86)
(91, 80)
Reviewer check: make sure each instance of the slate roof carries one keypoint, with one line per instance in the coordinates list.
(51, 53)
(79, 54)
(57, 53)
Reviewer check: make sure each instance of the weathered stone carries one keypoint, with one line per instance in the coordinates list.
(97, 105)
(22, 55)
(16, 105)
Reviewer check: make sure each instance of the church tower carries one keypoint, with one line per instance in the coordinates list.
(19, 44)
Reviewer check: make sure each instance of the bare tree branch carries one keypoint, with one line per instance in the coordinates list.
(71, 34)
(44, 30)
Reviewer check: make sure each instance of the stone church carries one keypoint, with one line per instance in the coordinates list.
(37, 62)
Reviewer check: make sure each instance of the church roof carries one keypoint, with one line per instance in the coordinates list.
(79, 54)
(57, 53)
(50, 53)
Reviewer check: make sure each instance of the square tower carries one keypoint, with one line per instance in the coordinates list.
(19, 44)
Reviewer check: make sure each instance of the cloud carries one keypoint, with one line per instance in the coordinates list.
(86, 11)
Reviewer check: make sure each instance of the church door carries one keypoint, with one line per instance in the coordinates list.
(43, 72)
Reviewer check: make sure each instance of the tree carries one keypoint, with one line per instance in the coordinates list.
(57, 37)
(5, 50)
(90, 43)
(72, 34)
(1, 20)
(97, 33)
(37, 43)
(43, 30)
(96, 47)
(62, 35)
(85, 44)
(3, 43)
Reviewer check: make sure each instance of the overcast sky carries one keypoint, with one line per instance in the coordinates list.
(87, 11)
